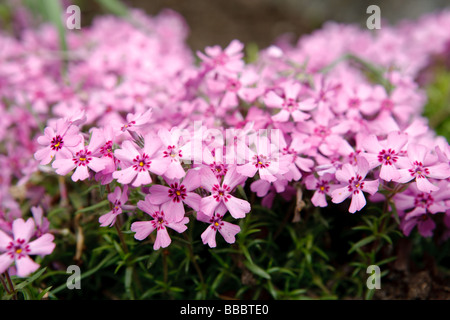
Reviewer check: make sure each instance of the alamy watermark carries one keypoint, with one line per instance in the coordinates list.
(74, 280)
(374, 280)
(374, 20)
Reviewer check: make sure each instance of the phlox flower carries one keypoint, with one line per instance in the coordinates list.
(290, 103)
(216, 223)
(352, 184)
(178, 192)
(42, 223)
(159, 223)
(81, 159)
(268, 160)
(18, 249)
(322, 185)
(385, 153)
(226, 61)
(56, 140)
(416, 167)
(136, 163)
(118, 198)
(221, 193)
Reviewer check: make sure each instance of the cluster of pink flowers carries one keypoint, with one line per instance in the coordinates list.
(132, 109)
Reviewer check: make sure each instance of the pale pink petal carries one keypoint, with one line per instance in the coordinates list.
(4, 241)
(142, 229)
(248, 170)
(237, 207)
(439, 171)
(43, 245)
(417, 152)
(229, 231)
(142, 178)
(81, 173)
(233, 178)
(174, 211)
(346, 173)
(63, 166)
(179, 226)
(193, 200)
(371, 186)
(425, 186)
(25, 266)
(108, 219)
(159, 194)
(5, 261)
(162, 239)
(125, 176)
(358, 202)
(272, 100)
(281, 116)
(207, 205)
(23, 230)
(318, 199)
(208, 178)
(340, 194)
(98, 164)
(159, 166)
(209, 236)
(389, 172)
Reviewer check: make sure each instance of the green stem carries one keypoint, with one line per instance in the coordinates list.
(11, 285)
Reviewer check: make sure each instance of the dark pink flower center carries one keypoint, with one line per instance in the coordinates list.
(82, 158)
(322, 131)
(387, 104)
(221, 193)
(128, 125)
(57, 143)
(107, 150)
(141, 163)
(423, 200)
(18, 249)
(159, 221)
(233, 85)
(172, 152)
(387, 157)
(418, 170)
(322, 186)
(355, 184)
(216, 221)
(354, 103)
(260, 161)
(290, 104)
(177, 192)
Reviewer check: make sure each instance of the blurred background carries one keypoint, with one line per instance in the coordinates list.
(261, 21)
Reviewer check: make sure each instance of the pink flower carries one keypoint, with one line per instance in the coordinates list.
(221, 193)
(137, 121)
(322, 185)
(385, 153)
(136, 164)
(352, 183)
(416, 168)
(42, 223)
(268, 161)
(178, 192)
(159, 222)
(118, 199)
(81, 159)
(19, 248)
(226, 229)
(56, 140)
(227, 61)
(290, 103)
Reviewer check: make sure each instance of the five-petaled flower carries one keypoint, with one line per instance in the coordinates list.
(18, 249)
